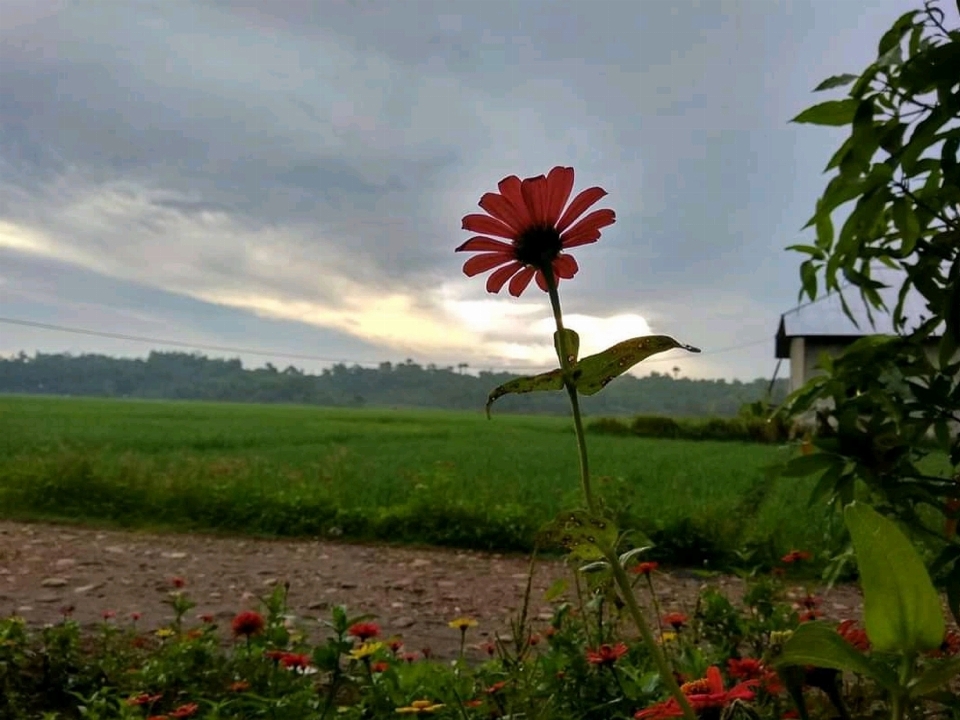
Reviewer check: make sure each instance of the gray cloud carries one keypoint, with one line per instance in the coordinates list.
(286, 148)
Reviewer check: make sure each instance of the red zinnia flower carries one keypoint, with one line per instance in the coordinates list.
(676, 619)
(144, 699)
(795, 556)
(247, 623)
(530, 214)
(295, 660)
(275, 655)
(606, 654)
(178, 582)
(364, 630)
(949, 647)
(854, 635)
(810, 615)
(645, 568)
(378, 667)
(705, 694)
(185, 711)
(744, 668)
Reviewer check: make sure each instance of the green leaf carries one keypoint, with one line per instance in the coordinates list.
(558, 588)
(552, 380)
(826, 486)
(809, 464)
(824, 225)
(630, 555)
(935, 678)
(581, 533)
(593, 373)
(835, 81)
(832, 112)
(808, 278)
(905, 220)
(572, 341)
(819, 644)
(895, 34)
(901, 608)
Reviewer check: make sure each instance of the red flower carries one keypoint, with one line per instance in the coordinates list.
(949, 647)
(530, 214)
(108, 614)
(247, 623)
(810, 615)
(178, 582)
(795, 556)
(295, 661)
(364, 630)
(496, 687)
(379, 667)
(185, 711)
(676, 619)
(854, 635)
(135, 616)
(606, 654)
(206, 618)
(409, 657)
(811, 602)
(395, 644)
(144, 699)
(705, 694)
(744, 668)
(275, 655)
(645, 568)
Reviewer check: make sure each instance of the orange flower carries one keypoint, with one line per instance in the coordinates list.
(239, 686)
(530, 214)
(676, 619)
(795, 556)
(144, 699)
(705, 694)
(645, 568)
(248, 623)
(606, 654)
(185, 711)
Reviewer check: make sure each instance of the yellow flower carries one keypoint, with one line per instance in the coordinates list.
(667, 637)
(165, 633)
(365, 650)
(462, 623)
(418, 707)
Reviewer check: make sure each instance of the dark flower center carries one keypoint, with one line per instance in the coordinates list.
(538, 246)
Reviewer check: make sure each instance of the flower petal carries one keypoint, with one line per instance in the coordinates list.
(559, 187)
(579, 206)
(510, 189)
(521, 280)
(487, 261)
(498, 278)
(535, 198)
(587, 230)
(542, 281)
(565, 266)
(485, 244)
(503, 210)
(715, 679)
(488, 226)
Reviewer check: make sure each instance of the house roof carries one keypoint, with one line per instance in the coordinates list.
(824, 317)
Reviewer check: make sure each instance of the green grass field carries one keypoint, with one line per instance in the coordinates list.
(412, 476)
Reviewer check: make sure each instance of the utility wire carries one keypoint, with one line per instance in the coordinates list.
(294, 356)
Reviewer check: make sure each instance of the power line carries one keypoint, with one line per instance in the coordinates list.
(293, 356)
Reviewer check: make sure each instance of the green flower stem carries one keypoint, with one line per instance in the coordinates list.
(564, 356)
(666, 672)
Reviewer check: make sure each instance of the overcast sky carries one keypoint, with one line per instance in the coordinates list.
(290, 176)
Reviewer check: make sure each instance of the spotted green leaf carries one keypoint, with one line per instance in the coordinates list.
(552, 380)
(582, 534)
(594, 372)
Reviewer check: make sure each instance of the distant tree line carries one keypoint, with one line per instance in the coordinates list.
(183, 376)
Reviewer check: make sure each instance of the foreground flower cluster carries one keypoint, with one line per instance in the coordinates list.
(580, 663)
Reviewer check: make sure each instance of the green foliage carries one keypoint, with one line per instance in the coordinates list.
(593, 373)
(901, 608)
(181, 376)
(743, 428)
(887, 402)
(416, 476)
